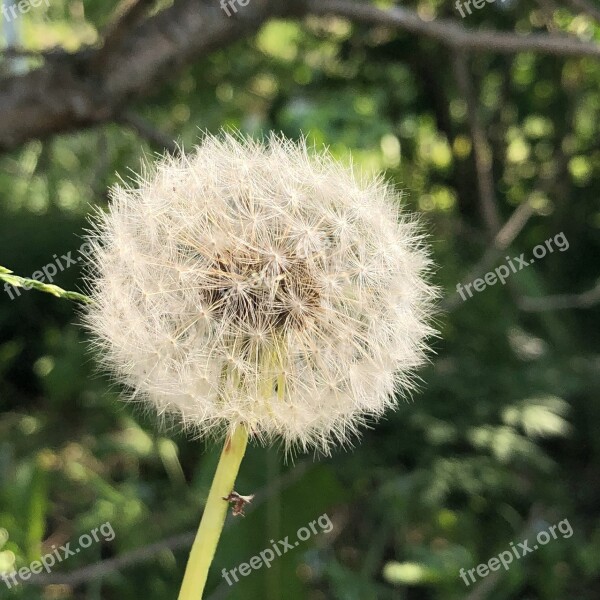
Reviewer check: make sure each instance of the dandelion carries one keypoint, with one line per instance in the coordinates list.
(255, 288)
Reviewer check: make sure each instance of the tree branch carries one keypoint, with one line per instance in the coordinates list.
(127, 15)
(562, 301)
(71, 93)
(146, 130)
(586, 7)
(503, 239)
(481, 149)
(453, 34)
(176, 542)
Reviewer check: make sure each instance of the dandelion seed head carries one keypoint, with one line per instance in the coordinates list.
(258, 283)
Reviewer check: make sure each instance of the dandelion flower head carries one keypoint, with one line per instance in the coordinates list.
(259, 283)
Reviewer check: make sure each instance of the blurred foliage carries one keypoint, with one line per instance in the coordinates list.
(506, 426)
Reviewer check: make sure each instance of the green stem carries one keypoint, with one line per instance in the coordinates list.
(213, 518)
(26, 283)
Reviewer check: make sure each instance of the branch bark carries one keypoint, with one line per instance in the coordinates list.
(128, 14)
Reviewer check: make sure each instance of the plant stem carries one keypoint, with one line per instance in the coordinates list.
(26, 283)
(213, 518)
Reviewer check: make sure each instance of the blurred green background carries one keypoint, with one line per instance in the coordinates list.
(502, 440)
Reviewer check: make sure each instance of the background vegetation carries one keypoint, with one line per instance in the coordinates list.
(497, 150)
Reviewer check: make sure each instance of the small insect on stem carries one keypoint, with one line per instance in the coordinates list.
(239, 502)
